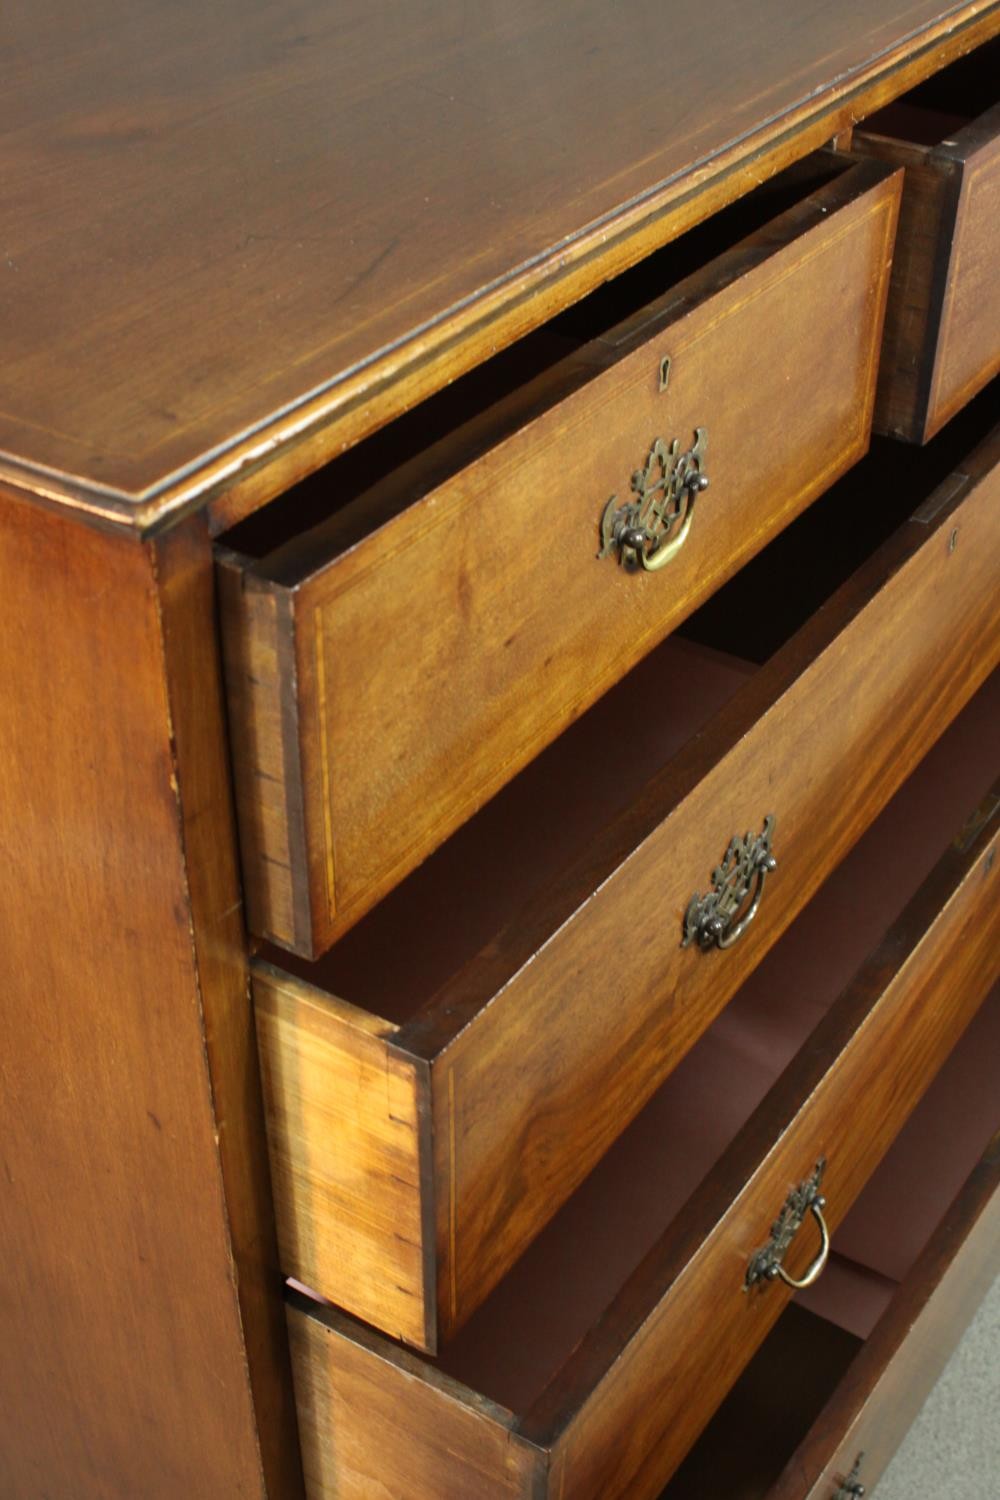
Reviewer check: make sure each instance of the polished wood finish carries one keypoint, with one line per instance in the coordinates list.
(239, 240)
(140, 1350)
(886, 1385)
(183, 569)
(839, 1379)
(942, 339)
(628, 1397)
(510, 1049)
(374, 1423)
(269, 274)
(350, 1150)
(377, 663)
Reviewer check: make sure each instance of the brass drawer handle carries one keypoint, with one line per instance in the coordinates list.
(818, 1265)
(648, 531)
(852, 1488)
(719, 918)
(766, 1263)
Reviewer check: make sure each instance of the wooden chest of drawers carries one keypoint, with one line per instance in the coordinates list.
(500, 780)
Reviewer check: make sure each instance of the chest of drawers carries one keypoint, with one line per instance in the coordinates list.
(498, 784)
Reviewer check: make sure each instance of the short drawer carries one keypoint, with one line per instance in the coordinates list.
(942, 329)
(431, 1085)
(394, 663)
(595, 1364)
(822, 1407)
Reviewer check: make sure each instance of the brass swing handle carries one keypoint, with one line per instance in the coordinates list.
(818, 1264)
(766, 1264)
(719, 918)
(650, 529)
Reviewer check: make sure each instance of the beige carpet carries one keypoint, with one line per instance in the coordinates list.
(952, 1451)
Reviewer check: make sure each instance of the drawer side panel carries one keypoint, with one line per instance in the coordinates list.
(263, 734)
(345, 1123)
(912, 313)
(969, 345)
(372, 1426)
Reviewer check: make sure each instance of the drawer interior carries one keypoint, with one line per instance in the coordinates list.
(404, 951)
(941, 106)
(518, 1340)
(771, 1408)
(829, 541)
(325, 514)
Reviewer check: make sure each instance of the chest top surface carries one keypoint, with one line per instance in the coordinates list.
(221, 223)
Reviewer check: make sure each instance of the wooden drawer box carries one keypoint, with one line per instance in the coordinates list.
(394, 664)
(589, 1375)
(842, 1376)
(942, 331)
(458, 1038)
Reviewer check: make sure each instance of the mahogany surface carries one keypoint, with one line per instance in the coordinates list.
(140, 1353)
(354, 758)
(238, 240)
(628, 1388)
(228, 227)
(515, 1001)
(942, 334)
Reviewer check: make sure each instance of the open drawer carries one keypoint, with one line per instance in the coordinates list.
(595, 1364)
(409, 628)
(839, 1380)
(942, 329)
(444, 1078)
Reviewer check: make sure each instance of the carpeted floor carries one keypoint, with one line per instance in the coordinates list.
(952, 1451)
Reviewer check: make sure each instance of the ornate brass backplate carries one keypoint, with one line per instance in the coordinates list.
(765, 1264)
(647, 531)
(719, 918)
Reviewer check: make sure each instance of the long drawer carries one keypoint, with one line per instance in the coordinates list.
(446, 1076)
(821, 1409)
(942, 330)
(390, 666)
(588, 1375)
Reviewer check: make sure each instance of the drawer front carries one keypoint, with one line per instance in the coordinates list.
(861, 1426)
(378, 699)
(502, 1069)
(820, 740)
(844, 1099)
(942, 330)
(619, 1415)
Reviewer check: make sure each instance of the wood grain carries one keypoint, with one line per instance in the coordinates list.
(886, 1385)
(942, 343)
(373, 1425)
(968, 351)
(556, 1009)
(135, 1339)
(635, 1391)
(288, 248)
(350, 1153)
(910, 324)
(264, 734)
(184, 574)
(642, 1005)
(383, 751)
(896, 1012)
